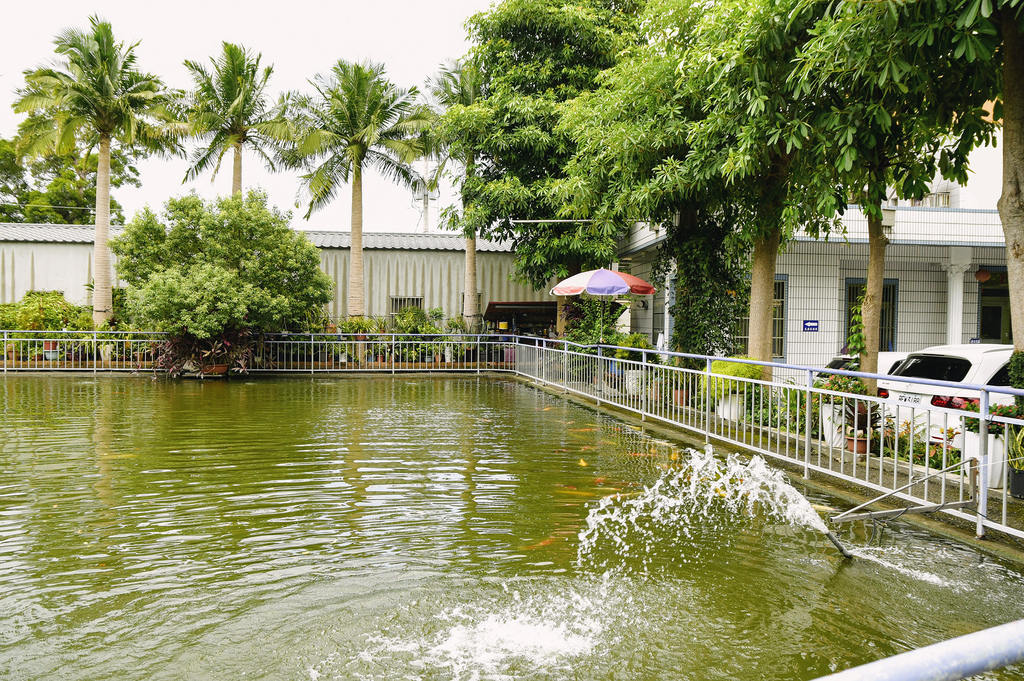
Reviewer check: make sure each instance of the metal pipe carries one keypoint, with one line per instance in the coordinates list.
(835, 540)
(958, 658)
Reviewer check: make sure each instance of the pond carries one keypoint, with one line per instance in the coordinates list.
(430, 528)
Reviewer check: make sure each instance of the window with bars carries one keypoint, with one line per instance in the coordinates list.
(890, 289)
(778, 324)
(400, 303)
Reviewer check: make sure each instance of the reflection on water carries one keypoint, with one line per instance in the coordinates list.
(382, 528)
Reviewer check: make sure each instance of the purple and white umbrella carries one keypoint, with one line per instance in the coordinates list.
(602, 282)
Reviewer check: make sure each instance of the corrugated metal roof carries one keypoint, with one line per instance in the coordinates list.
(83, 234)
(404, 242)
(46, 233)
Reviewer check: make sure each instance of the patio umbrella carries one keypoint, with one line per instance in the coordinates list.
(604, 283)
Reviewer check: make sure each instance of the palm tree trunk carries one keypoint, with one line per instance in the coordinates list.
(236, 177)
(762, 297)
(871, 311)
(1011, 202)
(470, 303)
(102, 303)
(356, 290)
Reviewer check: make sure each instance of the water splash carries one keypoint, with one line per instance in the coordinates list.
(528, 630)
(693, 508)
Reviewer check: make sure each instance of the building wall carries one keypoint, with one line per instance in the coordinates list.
(436, 276)
(65, 267)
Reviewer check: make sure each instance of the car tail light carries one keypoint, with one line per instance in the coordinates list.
(951, 402)
(883, 392)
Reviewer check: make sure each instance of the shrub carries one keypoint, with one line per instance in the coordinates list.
(720, 368)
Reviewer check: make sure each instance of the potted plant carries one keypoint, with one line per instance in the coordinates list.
(833, 417)
(725, 392)
(634, 374)
(969, 442)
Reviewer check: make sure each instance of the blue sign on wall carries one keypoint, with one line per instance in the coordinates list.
(811, 325)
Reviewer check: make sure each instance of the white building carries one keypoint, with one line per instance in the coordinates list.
(427, 270)
(945, 282)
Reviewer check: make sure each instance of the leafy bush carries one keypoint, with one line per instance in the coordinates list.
(719, 385)
(220, 273)
(8, 316)
(635, 340)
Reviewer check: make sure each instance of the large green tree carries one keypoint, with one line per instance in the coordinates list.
(94, 95)
(227, 109)
(355, 120)
(897, 111)
(753, 133)
(631, 137)
(534, 56)
(454, 89)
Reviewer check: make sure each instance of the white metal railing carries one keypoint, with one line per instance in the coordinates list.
(77, 350)
(922, 454)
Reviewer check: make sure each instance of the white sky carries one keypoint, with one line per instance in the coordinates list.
(299, 38)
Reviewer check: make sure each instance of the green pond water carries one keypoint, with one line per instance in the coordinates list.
(430, 528)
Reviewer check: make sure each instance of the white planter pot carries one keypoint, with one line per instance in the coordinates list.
(634, 379)
(969, 445)
(832, 425)
(729, 407)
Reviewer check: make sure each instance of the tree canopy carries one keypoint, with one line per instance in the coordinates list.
(203, 267)
(533, 56)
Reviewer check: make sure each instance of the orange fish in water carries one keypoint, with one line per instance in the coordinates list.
(587, 448)
(561, 450)
(583, 462)
(547, 408)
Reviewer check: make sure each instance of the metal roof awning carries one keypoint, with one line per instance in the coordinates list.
(525, 313)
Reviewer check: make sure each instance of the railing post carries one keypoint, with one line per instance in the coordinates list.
(807, 426)
(478, 354)
(707, 400)
(982, 471)
(95, 351)
(600, 376)
(565, 367)
(643, 385)
(394, 353)
(544, 361)
(6, 350)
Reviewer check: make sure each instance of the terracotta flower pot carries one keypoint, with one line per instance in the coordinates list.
(858, 445)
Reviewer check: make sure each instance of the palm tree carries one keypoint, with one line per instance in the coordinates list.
(228, 110)
(93, 93)
(356, 119)
(459, 84)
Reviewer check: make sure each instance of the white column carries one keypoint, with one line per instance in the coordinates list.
(955, 302)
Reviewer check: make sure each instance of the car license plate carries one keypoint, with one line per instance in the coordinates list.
(909, 399)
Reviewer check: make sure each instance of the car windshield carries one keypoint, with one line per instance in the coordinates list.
(934, 367)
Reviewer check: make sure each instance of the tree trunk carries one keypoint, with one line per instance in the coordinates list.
(356, 290)
(871, 311)
(102, 302)
(1011, 203)
(470, 303)
(762, 297)
(236, 176)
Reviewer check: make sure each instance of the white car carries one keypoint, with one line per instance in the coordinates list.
(887, 362)
(979, 364)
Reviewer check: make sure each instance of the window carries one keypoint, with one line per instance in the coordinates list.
(936, 200)
(778, 324)
(462, 302)
(934, 367)
(398, 304)
(854, 291)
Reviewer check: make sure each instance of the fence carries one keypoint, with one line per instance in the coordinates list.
(936, 458)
